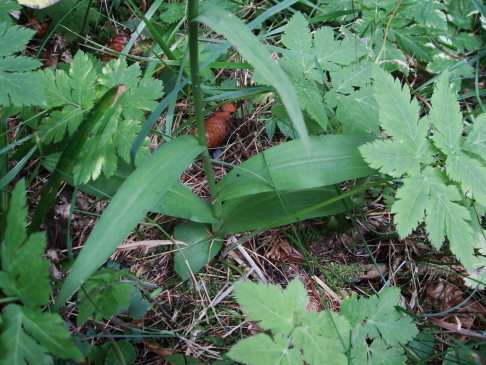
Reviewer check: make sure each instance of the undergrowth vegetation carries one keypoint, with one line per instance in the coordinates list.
(339, 220)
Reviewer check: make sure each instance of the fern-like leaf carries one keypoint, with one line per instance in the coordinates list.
(470, 173)
(412, 201)
(446, 119)
(426, 190)
(476, 141)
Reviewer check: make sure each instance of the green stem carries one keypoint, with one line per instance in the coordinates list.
(198, 107)
(160, 41)
(385, 36)
(4, 195)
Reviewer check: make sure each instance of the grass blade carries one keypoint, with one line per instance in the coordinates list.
(255, 53)
(135, 197)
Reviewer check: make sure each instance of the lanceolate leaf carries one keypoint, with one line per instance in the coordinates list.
(445, 217)
(391, 157)
(476, 141)
(334, 159)
(253, 51)
(134, 199)
(398, 114)
(446, 117)
(298, 38)
(179, 201)
(413, 200)
(470, 173)
(200, 248)
(410, 41)
(264, 209)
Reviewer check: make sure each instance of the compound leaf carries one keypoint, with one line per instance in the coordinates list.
(18, 85)
(26, 272)
(106, 302)
(391, 157)
(476, 141)
(398, 114)
(48, 329)
(275, 309)
(265, 351)
(297, 37)
(446, 117)
(412, 201)
(411, 41)
(17, 347)
(330, 52)
(470, 173)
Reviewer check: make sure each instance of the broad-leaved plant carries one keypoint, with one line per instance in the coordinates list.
(443, 168)
(367, 331)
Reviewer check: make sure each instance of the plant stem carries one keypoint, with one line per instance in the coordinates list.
(198, 108)
(4, 195)
(386, 32)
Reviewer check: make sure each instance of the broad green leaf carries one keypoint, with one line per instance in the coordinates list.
(179, 201)
(470, 173)
(319, 340)
(7, 7)
(265, 209)
(447, 218)
(391, 157)
(255, 53)
(358, 112)
(276, 310)
(30, 271)
(54, 128)
(71, 15)
(398, 114)
(200, 248)
(18, 64)
(384, 320)
(411, 41)
(476, 141)
(412, 201)
(318, 349)
(265, 351)
(330, 52)
(379, 322)
(430, 14)
(26, 272)
(461, 12)
(68, 157)
(457, 74)
(17, 347)
(14, 233)
(104, 303)
(466, 41)
(125, 349)
(378, 352)
(310, 99)
(20, 89)
(297, 37)
(49, 330)
(82, 80)
(13, 38)
(57, 86)
(446, 117)
(136, 196)
(346, 79)
(334, 159)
